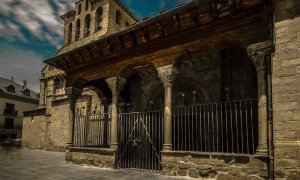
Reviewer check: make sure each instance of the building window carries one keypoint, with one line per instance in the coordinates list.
(58, 83)
(87, 24)
(70, 33)
(118, 17)
(127, 24)
(11, 89)
(99, 14)
(9, 123)
(79, 9)
(86, 5)
(77, 35)
(9, 109)
(26, 92)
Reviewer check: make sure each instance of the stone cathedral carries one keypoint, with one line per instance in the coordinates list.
(208, 90)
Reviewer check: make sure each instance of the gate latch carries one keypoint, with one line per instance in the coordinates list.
(135, 142)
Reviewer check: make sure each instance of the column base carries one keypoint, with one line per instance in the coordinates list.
(167, 147)
(70, 144)
(262, 150)
(114, 146)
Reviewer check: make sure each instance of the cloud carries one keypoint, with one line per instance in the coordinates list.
(21, 64)
(41, 18)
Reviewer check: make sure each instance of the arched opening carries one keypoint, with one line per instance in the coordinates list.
(92, 126)
(79, 9)
(87, 25)
(87, 5)
(99, 13)
(118, 17)
(70, 31)
(77, 33)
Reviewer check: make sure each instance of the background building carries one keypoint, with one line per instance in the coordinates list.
(14, 100)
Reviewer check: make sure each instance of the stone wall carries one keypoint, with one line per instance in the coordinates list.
(103, 158)
(215, 165)
(125, 17)
(47, 131)
(286, 91)
(34, 132)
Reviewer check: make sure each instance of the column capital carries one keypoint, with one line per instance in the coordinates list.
(257, 53)
(73, 93)
(167, 74)
(116, 84)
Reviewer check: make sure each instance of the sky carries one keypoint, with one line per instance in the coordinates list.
(31, 31)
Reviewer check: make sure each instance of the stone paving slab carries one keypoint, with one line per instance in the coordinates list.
(21, 164)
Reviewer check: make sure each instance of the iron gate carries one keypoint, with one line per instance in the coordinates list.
(92, 130)
(140, 140)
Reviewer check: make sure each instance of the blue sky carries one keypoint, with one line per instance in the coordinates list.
(31, 31)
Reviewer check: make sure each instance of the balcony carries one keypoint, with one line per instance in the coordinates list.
(10, 112)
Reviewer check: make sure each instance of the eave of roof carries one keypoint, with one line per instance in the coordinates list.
(130, 28)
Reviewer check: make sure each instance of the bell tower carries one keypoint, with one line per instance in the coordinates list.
(93, 19)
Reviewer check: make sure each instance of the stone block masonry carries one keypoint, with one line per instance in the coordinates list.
(103, 158)
(218, 166)
(286, 91)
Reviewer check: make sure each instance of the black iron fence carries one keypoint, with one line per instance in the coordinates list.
(140, 140)
(229, 127)
(92, 130)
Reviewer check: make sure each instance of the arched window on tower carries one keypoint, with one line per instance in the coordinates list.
(77, 34)
(79, 9)
(127, 24)
(70, 29)
(118, 17)
(86, 5)
(87, 25)
(99, 14)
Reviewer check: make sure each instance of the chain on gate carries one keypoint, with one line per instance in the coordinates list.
(140, 140)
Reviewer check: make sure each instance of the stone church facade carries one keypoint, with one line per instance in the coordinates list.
(206, 90)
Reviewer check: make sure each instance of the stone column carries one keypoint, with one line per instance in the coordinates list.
(42, 92)
(167, 74)
(73, 94)
(115, 84)
(258, 54)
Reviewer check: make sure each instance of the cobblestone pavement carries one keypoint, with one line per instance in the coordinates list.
(24, 164)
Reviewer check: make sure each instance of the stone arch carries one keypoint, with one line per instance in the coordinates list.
(194, 93)
(92, 100)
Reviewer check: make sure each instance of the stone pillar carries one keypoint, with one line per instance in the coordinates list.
(42, 92)
(258, 54)
(73, 94)
(167, 74)
(115, 84)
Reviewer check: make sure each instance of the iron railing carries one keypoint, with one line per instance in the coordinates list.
(229, 127)
(140, 140)
(92, 130)
(10, 112)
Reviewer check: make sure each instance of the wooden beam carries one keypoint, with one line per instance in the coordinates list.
(96, 46)
(91, 53)
(160, 29)
(110, 49)
(195, 18)
(134, 40)
(65, 62)
(119, 38)
(176, 19)
(81, 56)
(146, 34)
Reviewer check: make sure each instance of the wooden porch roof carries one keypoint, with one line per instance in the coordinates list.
(196, 16)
